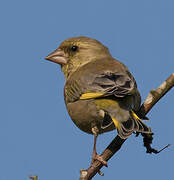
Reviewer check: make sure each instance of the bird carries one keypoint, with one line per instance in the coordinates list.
(100, 93)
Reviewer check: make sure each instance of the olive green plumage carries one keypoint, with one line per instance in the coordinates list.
(99, 90)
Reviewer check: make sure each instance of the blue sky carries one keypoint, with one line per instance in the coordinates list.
(36, 133)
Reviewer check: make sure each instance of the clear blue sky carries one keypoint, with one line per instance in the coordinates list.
(36, 133)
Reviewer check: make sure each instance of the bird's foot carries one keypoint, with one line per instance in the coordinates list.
(99, 158)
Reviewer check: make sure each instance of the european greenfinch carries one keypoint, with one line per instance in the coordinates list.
(100, 93)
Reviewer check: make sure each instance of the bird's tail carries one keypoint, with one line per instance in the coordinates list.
(134, 123)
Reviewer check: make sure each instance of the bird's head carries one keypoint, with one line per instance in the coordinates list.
(76, 52)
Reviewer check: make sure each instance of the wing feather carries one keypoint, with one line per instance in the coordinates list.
(116, 84)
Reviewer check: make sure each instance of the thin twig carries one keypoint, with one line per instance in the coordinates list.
(155, 95)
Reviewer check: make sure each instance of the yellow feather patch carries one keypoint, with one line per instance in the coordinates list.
(135, 116)
(91, 95)
(116, 123)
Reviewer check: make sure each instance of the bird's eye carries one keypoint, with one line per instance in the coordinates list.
(74, 48)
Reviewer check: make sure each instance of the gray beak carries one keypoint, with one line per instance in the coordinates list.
(57, 56)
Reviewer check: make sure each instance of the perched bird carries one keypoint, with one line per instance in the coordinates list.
(100, 93)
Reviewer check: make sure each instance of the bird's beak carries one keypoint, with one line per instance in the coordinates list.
(57, 56)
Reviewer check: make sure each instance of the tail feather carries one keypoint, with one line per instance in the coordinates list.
(134, 123)
(140, 126)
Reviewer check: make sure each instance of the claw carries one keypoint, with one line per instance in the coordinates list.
(99, 158)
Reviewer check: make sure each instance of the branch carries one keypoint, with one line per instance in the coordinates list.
(153, 97)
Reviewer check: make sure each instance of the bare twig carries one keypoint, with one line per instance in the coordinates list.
(153, 97)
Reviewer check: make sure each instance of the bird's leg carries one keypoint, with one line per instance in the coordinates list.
(95, 156)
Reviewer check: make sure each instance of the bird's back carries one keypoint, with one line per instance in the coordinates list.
(91, 78)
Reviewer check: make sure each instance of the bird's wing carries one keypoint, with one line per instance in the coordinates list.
(106, 84)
